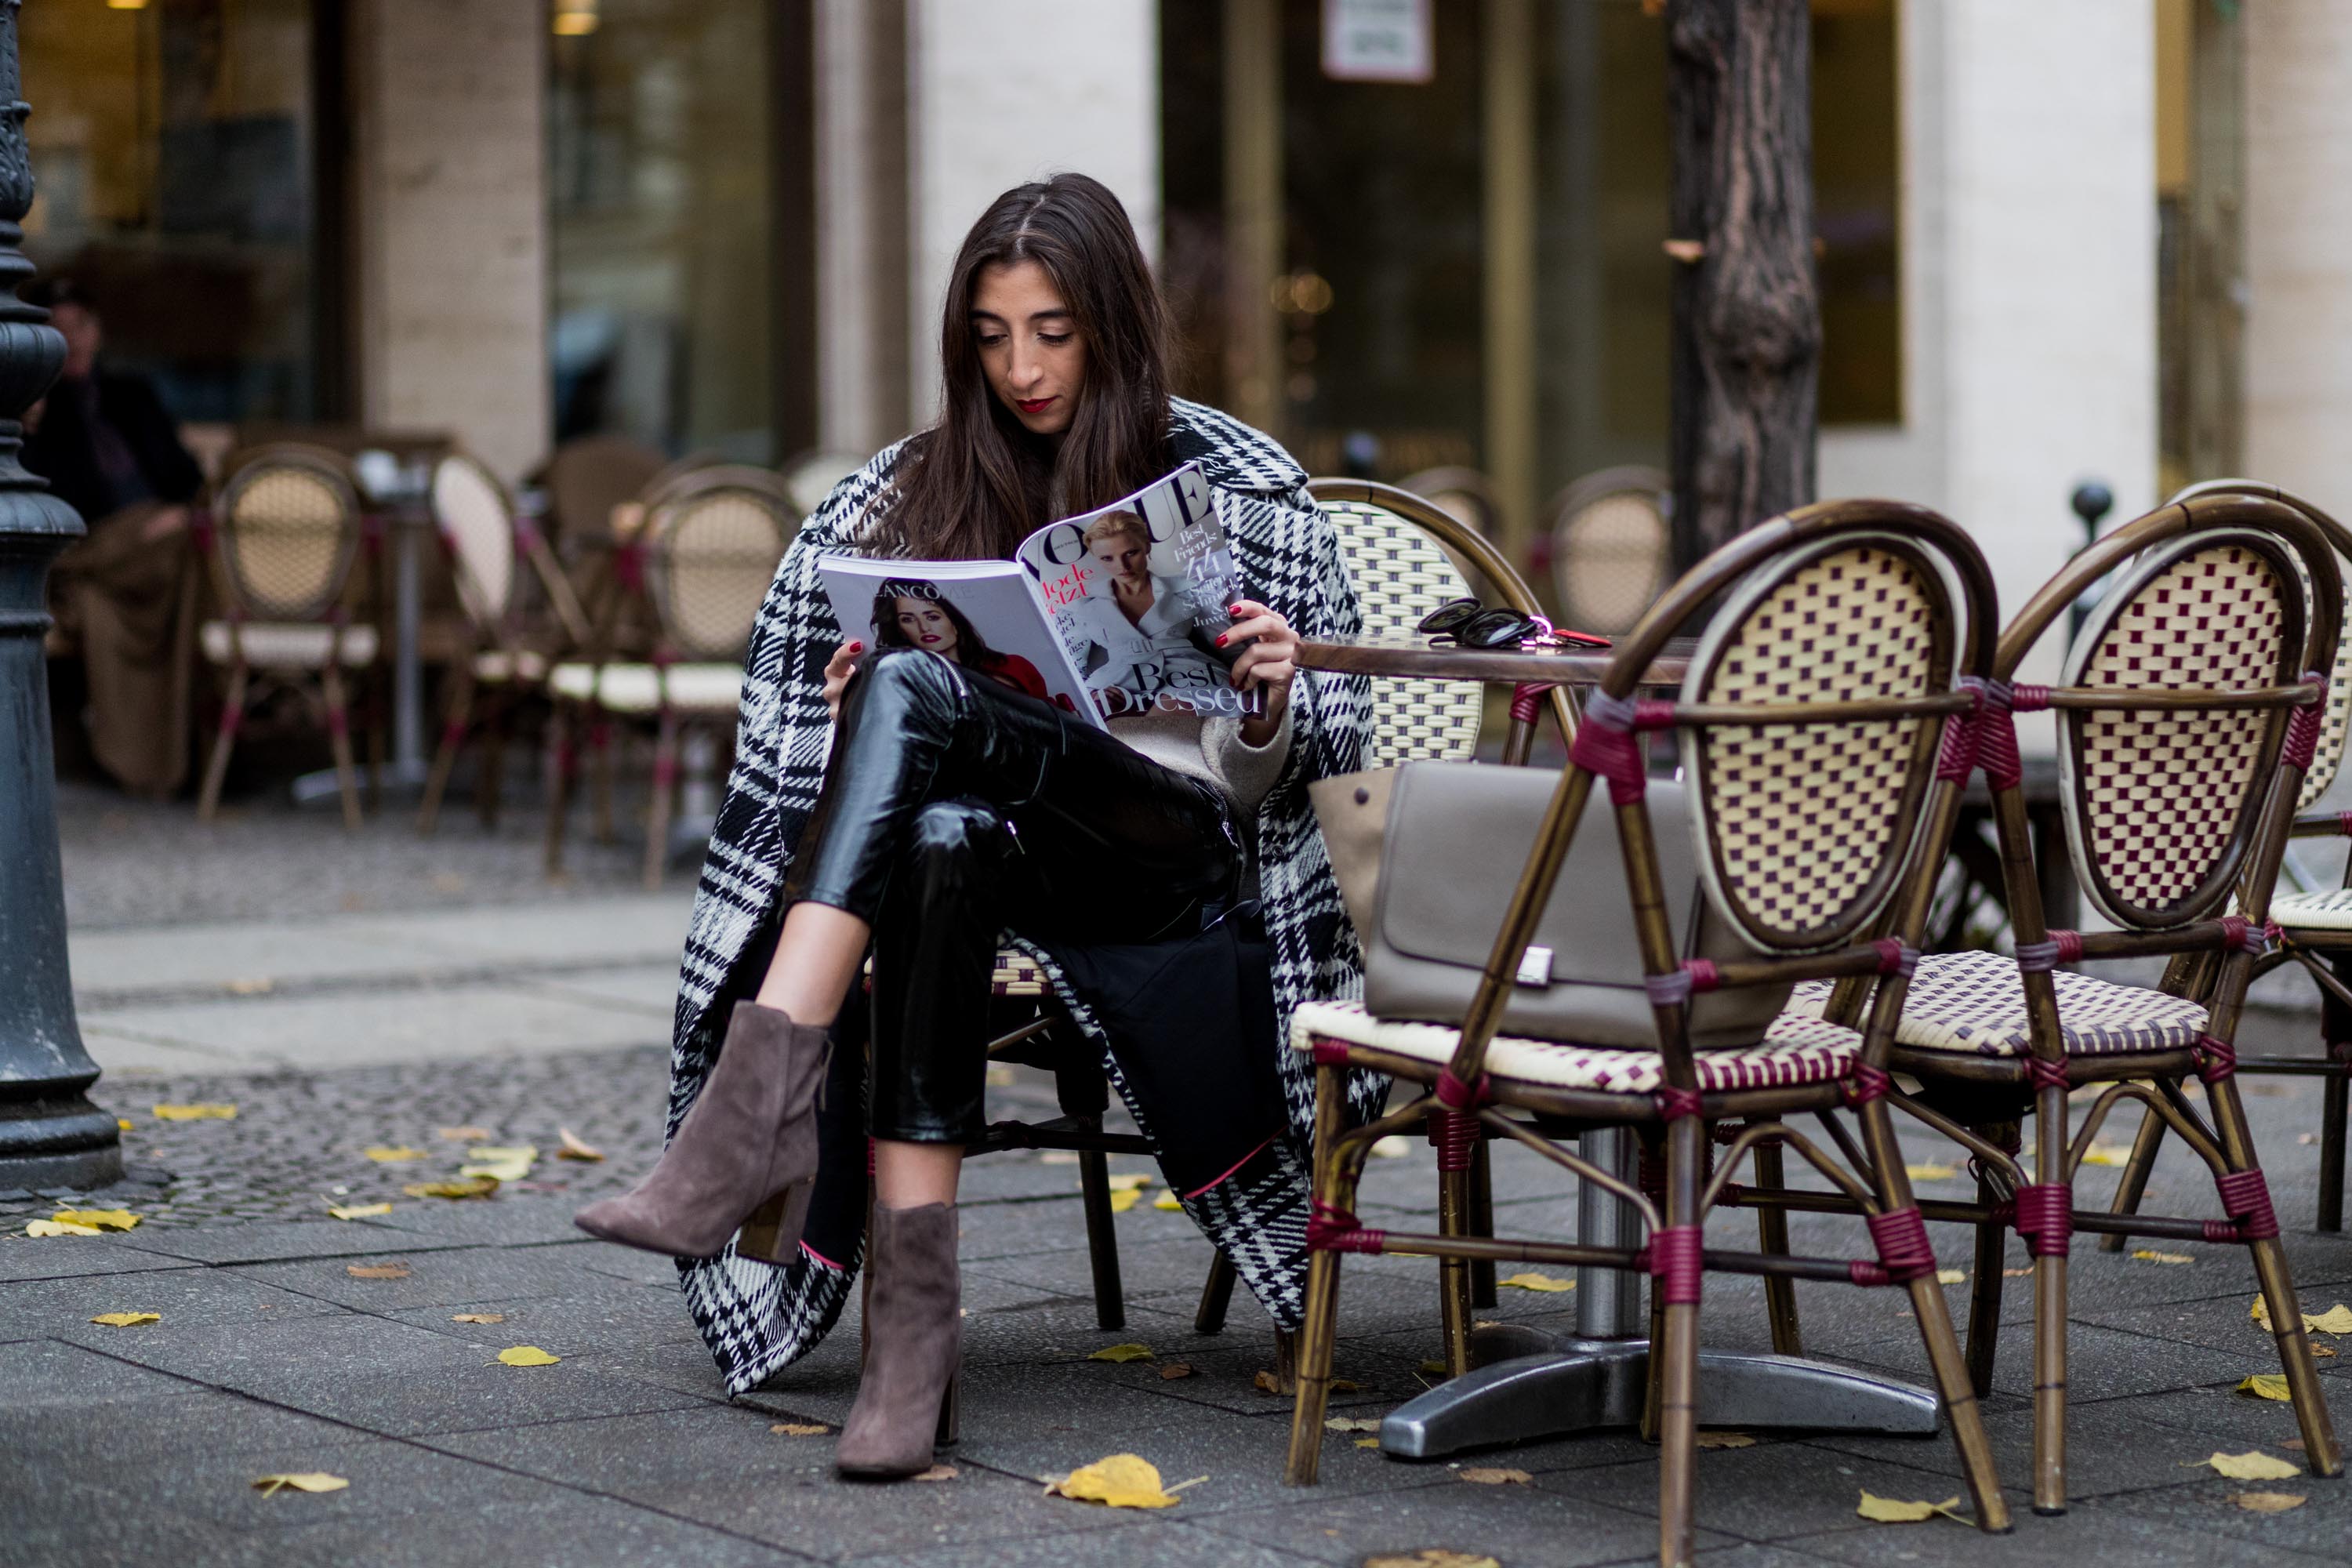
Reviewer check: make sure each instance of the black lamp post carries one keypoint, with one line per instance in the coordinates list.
(50, 1134)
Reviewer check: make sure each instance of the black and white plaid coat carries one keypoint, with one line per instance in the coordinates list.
(758, 1319)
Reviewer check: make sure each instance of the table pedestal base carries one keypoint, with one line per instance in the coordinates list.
(395, 780)
(1533, 1385)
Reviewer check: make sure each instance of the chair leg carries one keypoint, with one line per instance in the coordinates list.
(490, 782)
(2134, 1184)
(1675, 1355)
(2336, 1090)
(2050, 1130)
(1216, 1297)
(1319, 1329)
(445, 759)
(339, 736)
(665, 796)
(224, 741)
(1772, 1236)
(600, 764)
(1454, 1273)
(1482, 1223)
(1985, 1293)
(1102, 1239)
(561, 765)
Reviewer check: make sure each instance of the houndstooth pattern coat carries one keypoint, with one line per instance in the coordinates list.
(758, 1319)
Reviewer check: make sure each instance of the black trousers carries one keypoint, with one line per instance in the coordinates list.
(955, 808)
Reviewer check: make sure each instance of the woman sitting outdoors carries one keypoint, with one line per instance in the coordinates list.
(892, 803)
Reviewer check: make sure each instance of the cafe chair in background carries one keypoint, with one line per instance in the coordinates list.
(1612, 548)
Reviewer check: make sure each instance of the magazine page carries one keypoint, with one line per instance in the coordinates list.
(983, 614)
(1138, 591)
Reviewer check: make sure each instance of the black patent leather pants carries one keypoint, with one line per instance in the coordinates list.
(955, 808)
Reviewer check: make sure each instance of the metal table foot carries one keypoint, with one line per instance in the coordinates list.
(1554, 1384)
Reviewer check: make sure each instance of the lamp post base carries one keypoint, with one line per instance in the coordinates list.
(65, 1141)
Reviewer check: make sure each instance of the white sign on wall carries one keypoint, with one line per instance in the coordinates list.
(1377, 40)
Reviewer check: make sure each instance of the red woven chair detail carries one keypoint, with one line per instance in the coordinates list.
(2303, 726)
(1903, 1253)
(2216, 1060)
(2247, 1198)
(1455, 1133)
(2043, 1073)
(1896, 957)
(1956, 756)
(1607, 748)
(1996, 752)
(1453, 1092)
(1864, 1083)
(1675, 1104)
(1677, 1261)
(1330, 1229)
(1330, 1053)
(2044, 1214)
(2061, 947)
(1527, 700)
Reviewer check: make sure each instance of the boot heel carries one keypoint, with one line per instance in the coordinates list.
(773, 1234)
(950, 1413)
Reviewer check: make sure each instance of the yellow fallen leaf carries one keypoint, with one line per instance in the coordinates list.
(1124, 1199)
(2149, 1255)
(392, 1154)
(127, 1320)
(1893, 1511)
(2266, 1385)
(477, 1317)
(1267, 1382)
(2112, 1154)
(376, 1270)
(1493, 1476)
(1121, 1480)
(359, 1211)
(2017, 1273)
(478, 1187)
(103, 1219)
(501, 1162)
(1392, 1147)
(2336, 1320)
(527, 1355)
(195, 1112)
(1929, 1173)
(571, 1148)
(1951, 1275)
(466, 1134)
(58, 1228)
(1059, 1157)
(1434, 1368)
(1167, 1203)
(1431, 1557)
(1174, 1370)
(801, 1428)
(122, 1123)
(1367, 1442)
(2254, 1466)
(1121, 1354)
(1346, 1385)
(311, 1481)
(1726, 1440)
(936, 1473)
(254, 985)
(1128, 1181)
(1530, 1281)
(2268, 1502)
(1352, 1423)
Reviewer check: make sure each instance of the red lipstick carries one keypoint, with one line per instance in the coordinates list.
(1033, 406)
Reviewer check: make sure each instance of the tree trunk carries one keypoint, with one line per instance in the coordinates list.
(1746, 300)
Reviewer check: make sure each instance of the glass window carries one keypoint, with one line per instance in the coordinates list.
(171, 148)
(661, 151)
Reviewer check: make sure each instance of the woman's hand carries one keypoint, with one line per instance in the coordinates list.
(1269, 664)
(837, 672)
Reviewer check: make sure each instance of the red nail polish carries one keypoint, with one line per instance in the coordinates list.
(1221, 641)
(857, 647)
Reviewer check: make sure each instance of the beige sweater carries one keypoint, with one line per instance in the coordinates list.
(1211, 749)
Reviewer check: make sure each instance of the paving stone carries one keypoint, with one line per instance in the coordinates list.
(76, 1440)
(434, 1276)
(275, 1239)
(2086, 1536)
(2220, 1415)
(49, 1371)
(70, 1523)
(572, 1530)
(2111, 1447)
(393, 1483)
(185, 1297)
(2322, 1526)
(24, 1258)
(1770, 1492)
(508, 1220)
(565, 1325)
(1165, 1543)
(1514, 1524)
(2102, 1364)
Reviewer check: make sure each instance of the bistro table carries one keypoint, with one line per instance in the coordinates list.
(1527, 1384)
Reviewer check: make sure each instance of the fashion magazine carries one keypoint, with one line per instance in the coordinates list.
(1109, 614)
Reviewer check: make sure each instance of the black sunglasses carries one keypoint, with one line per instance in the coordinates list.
(1467, 624)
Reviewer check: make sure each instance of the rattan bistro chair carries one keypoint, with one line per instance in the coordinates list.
(1612, 546)
(703, 560)
(1811, 724)
(2314, 927)
(282, 540)
(2186, 722)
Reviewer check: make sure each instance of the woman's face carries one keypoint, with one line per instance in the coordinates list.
(1122, 555)
(924, 626)
(1029, 345)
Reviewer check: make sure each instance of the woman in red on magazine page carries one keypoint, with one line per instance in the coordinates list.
(940, 812)
(918, 618)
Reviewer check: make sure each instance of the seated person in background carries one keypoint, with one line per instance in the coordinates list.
(103, 441)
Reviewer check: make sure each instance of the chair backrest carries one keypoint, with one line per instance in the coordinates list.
(2327, 761)
(713, 542)
(1402, 573)
(811, 477)
(288, 526)
(1612, 546)
(590, 474)
(1812, 720)
(1464, 494)
(476, 518)
(2163, 804)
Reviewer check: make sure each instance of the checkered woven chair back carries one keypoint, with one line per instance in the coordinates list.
(1803, 827)
(1612, 554)
(2160, 805)
(1400, 575)
(477, 524)
(2328, 759)
(716, 541)
(289, 531)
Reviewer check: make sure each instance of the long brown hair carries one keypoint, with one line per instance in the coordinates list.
(980, 481)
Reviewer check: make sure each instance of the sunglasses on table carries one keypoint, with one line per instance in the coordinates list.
(1468, 623)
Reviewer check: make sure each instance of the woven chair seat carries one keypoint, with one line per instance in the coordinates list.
(637, 687)
(1973, 1003)
(285, 644)
(1016, 974)
(498, 664)
(1797, 1051)
(2329, 910)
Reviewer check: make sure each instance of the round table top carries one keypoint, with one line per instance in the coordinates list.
(1411, 656)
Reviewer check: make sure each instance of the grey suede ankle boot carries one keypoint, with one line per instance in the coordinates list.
(914, 1342)
(745, 1157)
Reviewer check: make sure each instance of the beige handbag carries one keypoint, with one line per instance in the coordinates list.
(1456, 836)
(1353, 809)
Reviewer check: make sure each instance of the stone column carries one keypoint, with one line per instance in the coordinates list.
(50, 1134)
